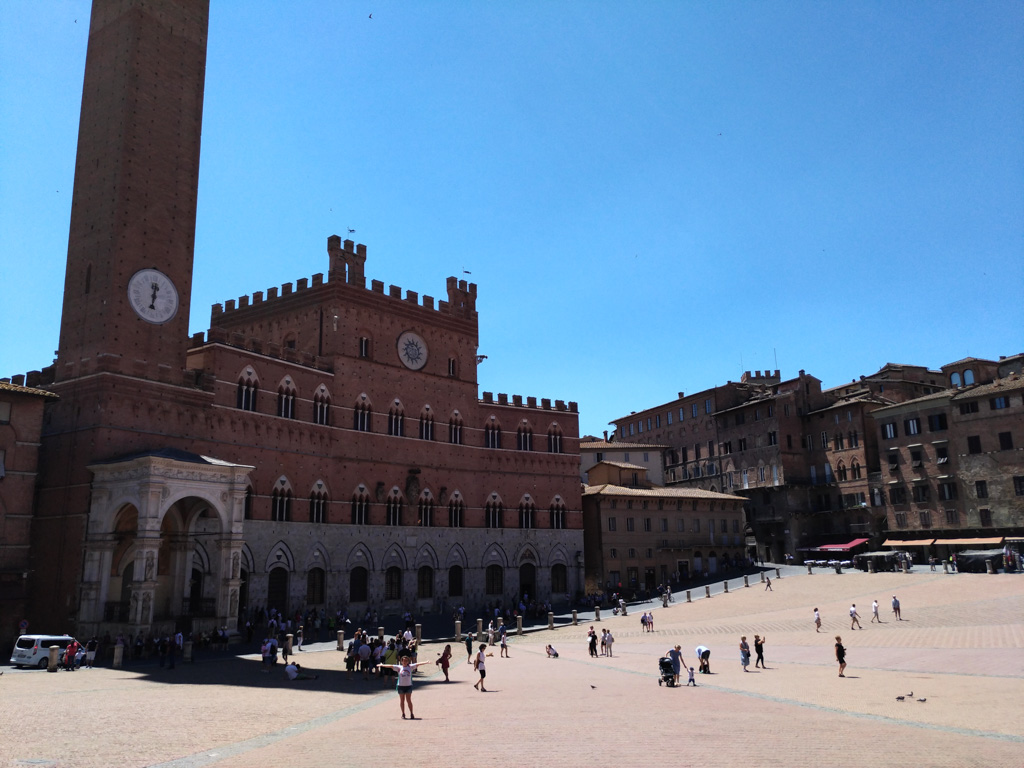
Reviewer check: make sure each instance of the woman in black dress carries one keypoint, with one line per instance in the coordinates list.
(840, 655)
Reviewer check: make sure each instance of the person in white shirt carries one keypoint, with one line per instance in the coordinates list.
(404, 670)
(294, 672)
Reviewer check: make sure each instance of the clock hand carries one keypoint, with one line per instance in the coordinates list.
(155, 287)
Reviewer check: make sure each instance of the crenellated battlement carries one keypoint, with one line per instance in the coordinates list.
(346, 266)
(531, 402)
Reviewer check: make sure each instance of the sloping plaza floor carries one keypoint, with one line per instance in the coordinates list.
(959, 647)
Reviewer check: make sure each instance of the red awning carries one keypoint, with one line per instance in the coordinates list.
(842, 547)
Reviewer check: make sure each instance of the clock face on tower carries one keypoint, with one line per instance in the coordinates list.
(153, 296)
(412, 350)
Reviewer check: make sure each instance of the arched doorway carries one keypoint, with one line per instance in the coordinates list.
(277, 590)
(527, 580)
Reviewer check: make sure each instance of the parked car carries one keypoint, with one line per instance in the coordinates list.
(34, 650)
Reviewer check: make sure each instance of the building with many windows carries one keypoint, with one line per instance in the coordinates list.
(322, 445)
(637, 535)
(952, 474)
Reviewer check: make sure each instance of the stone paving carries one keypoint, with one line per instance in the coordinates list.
(959, 647)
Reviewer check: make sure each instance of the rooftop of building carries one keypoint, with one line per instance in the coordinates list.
(604, 445)
(8, 386)
(607, 489)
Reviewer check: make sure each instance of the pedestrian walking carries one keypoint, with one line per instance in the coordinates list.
(896, 608)
(874, 612)
(479, 664)
(443, 661)
(675, 655)
(759, 650)
(744, 653)
(854, 617)
(840, 655)
(503, 643)
(768, 584)
(690, 681)
(817, 621)
(469, 648)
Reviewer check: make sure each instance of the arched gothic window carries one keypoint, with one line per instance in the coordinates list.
(555, 439)
(318, 501)
(492, 435)
(456, 509)
(524, 438)
(322, 407)
(527, 514)
(281, 504)
(286, 400)
(426, 512)
(455, 429)
(394, 510)
(396, 420)
(493, 514)
(426, 424)
(557, 512)
(361, 416)
(425, 582)
(248, 387)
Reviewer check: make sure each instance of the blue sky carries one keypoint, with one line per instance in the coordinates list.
(652, 197)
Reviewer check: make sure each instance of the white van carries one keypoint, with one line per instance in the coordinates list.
(34, 650)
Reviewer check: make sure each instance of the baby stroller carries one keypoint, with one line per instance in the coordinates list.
(667, 674)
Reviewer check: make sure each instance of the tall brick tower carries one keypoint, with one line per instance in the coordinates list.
(133, 214)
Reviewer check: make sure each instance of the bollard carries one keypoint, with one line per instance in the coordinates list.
(288, 645)
(479, 630)
(551, 620)
(501, 623)
(119, 655)
(726, 585)
(762, 573)
(597, 613)
(419, 634)
(186, 652)
(871, 566)
(458, 631)
(839, 568)
(574, 622)
(906, 568)
(778, 573)
(341, 639)
(54, 659)
(945, 567)
(380, 634)
(746, 581)
(688, 596)
(664, 600)
(707, 591)
(519, 625)
(988, 567)
(808, 571)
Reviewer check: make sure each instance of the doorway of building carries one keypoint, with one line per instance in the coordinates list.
(277, 590)
(527, 580)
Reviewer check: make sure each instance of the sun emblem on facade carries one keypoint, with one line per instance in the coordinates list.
(412, 350)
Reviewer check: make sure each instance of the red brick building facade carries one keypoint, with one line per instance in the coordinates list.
(21, 422)
(322, 445)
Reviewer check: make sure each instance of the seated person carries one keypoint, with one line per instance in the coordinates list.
(294, 672)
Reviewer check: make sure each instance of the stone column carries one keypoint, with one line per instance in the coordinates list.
(519, 625)
(574, 621)
(229, 580)
(688, 596)
(707, 591)
(479, 630)
(419, 634)
(726, 585)
(746, 581)
(99, 552)
(551, 620)
(341, 639)
(458, 631)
